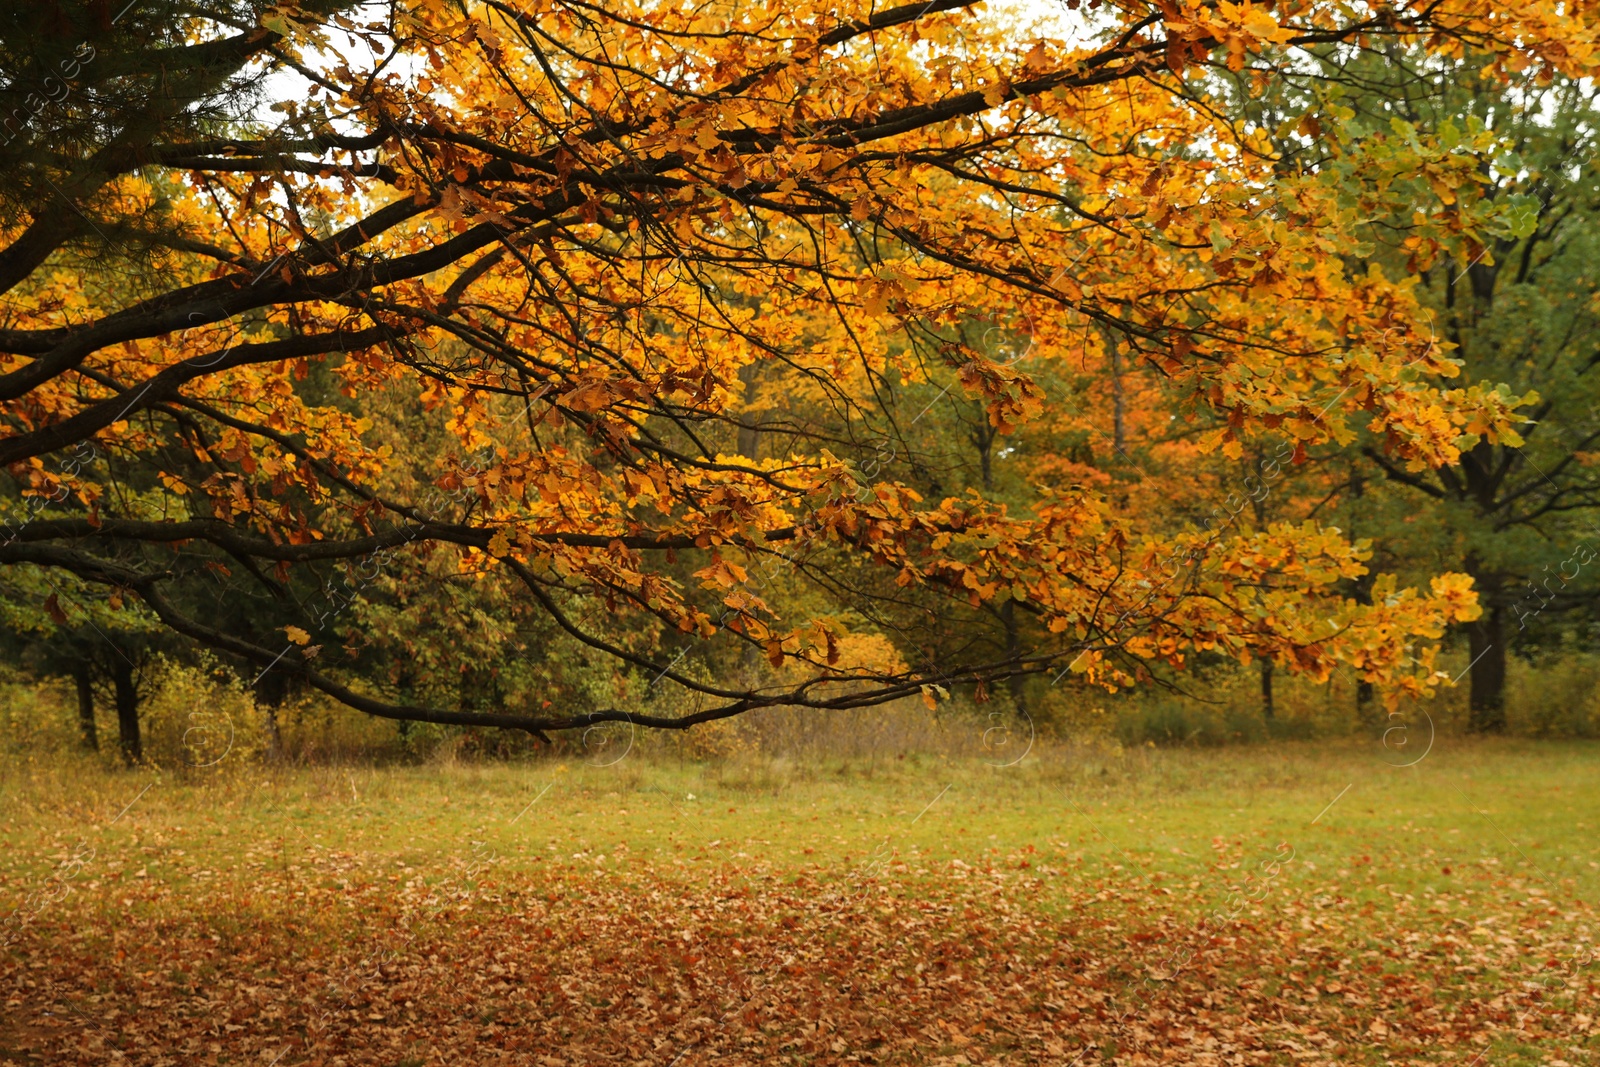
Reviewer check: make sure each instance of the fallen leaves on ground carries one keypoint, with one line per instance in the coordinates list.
(333, 958)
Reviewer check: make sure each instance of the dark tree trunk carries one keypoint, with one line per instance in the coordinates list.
(1364, 693)
(274, 736)
(85, 683)
(1118, 428)
(750, 433)
(1486, 642)
(272, 689)
(1019, 696)
(127, 696)
(1267, 708)
(1365, 713)
(982, 435)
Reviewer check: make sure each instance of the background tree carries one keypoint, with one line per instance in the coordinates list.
(51, 629)
(1518, 307)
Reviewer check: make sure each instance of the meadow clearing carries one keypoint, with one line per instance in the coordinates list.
(1293, 903)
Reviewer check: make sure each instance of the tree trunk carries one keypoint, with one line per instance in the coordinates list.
(1267, 708)
(1365, 714)
(1486, 642)
(272, 689)
(91, 735)
(1019, 698)
(274, 736)
(750, 433)
(1364, 695)
(127, 697)
(1118, 429)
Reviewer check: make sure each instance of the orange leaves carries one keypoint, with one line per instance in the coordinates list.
(721, 574)
(875, 296)
(1038, 58)
(1275, 593)
(1240, 28)
(997, 89)
(1013, 397)
(174, 484)
(825, 638)
(589, 397)
(1455, 597)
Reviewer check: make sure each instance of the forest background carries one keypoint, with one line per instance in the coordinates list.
(1196, 375)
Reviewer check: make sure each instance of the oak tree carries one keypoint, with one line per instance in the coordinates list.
(572, 242)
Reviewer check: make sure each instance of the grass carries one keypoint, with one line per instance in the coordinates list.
(1529, 806)
(1451, 878)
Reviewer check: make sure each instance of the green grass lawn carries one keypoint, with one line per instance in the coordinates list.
(1526, 808)
(1338, 887)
